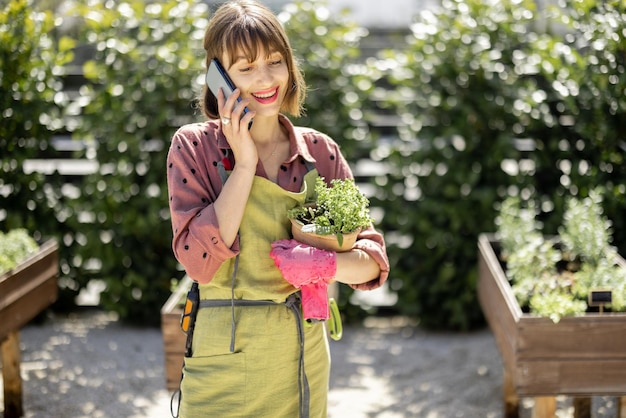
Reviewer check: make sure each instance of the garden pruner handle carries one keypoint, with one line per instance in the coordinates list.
(335, 326)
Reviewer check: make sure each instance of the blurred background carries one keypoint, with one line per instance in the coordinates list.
(442, 107)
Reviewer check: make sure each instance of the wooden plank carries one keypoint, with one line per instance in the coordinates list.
(575, 377)
(591, 336)
(511, 400)
(14, 280)
(12, 380)
(500, 316)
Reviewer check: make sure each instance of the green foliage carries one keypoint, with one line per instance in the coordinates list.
(327, 46)
(15, 246)
(553, 277)
(495, 102)
(31, 61)
(141, 87)
(517, 226)
(143, 78)
(585, 233)
(339, 209)
(455, 89)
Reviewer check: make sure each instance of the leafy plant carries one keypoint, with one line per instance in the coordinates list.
(553, 276)
(15, 246)
(337, 210)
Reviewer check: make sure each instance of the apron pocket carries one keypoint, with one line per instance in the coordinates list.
(214, 386)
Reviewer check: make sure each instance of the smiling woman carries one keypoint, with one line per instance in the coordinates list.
(231, 183)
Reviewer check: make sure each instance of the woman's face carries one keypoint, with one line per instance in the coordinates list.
(263, 81)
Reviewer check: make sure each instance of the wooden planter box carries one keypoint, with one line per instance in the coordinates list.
(29, 288)
(25, 291)
(173, 337)
(579, 356)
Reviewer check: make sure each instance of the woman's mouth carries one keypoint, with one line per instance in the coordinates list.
(266, 96)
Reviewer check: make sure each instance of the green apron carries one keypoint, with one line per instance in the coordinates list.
(247, 359)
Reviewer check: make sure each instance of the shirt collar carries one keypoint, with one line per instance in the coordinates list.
(297, 144)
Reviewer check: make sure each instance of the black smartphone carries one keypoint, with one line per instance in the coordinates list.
(217, 77)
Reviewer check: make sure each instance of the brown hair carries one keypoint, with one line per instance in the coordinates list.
(249, 27)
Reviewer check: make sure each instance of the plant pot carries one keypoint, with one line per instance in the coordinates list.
(325, 242)
(578, 356)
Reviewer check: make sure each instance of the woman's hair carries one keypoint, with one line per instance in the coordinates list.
(245, 26)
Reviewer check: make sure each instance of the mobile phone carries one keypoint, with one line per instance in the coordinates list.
(217, 77)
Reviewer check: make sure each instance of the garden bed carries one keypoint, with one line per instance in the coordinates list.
(578, 356)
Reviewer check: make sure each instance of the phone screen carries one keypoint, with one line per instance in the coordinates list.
(217, 77)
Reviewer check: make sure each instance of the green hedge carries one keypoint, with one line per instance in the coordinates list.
(492, 106)
(32, 60)
(144, 69)
(478, 89)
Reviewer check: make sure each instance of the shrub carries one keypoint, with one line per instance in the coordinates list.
(140, 89)
(491, 107)
(32, 59)
(327, 46)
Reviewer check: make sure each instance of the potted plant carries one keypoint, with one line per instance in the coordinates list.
(534, 291)
(334, 218)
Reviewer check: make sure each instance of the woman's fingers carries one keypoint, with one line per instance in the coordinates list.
(232, 111)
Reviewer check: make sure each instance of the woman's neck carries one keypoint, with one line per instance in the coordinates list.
(266, 131)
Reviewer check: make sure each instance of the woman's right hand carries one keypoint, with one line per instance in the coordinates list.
(235, 127)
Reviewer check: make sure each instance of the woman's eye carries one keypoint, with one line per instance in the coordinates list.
(276, 62)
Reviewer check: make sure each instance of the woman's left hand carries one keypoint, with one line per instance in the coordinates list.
(302, 264)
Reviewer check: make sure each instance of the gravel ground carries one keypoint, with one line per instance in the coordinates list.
(88, 364)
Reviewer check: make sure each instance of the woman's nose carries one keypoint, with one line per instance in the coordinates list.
(264, 74)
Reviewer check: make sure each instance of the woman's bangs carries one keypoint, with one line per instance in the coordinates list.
(251, 40)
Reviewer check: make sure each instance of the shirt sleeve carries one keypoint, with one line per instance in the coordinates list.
(193, 185)
(331, 164)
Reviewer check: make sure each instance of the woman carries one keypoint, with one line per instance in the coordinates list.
(230, 187)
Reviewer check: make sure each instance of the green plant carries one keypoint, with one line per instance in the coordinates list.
(338, 209)
(15, 246)
(553, 277)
